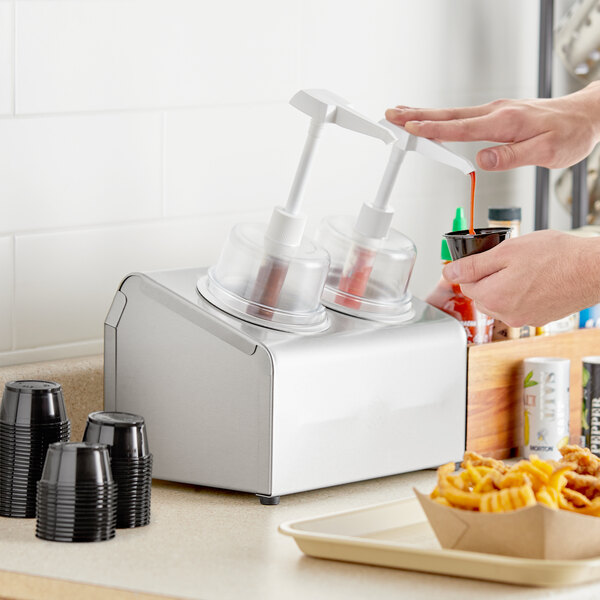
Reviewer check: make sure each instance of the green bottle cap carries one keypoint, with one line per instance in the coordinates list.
(458, 224)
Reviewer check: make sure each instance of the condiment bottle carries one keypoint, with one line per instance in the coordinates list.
(568, 323)
(508, 216)
(449, 298)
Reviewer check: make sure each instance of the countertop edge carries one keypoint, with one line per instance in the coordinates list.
(22, 586)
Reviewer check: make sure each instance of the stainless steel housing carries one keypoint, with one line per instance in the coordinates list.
(233, 405)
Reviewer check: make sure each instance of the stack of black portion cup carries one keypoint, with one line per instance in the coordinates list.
(77, 496)
(131, 462)
(32, 416)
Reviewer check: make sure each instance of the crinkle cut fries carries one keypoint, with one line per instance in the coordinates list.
(489, 485)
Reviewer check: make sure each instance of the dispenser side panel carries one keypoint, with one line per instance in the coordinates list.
(110, 349)
(110, 366)
(368, 404)
(207, 404)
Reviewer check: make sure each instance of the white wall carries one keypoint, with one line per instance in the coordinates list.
(134, 133)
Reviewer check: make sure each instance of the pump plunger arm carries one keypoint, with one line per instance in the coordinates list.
(287, 225)
(323, 107)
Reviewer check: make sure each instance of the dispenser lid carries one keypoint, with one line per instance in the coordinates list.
(458, 224)
(276, 290)
(367, 278)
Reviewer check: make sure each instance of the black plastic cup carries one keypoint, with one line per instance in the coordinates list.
(49, 517)
(78, 528)
(131, 462)
(23, 443)
(34, 427)
(31, 431)
(462, 243)
(76, 495)
(126, 471)
(66, 515)
(76, 531)
(30, 402)
(86, 497)
(77, 463)
(138, 462)
(125, 433)
(32, 416)
(57, 536)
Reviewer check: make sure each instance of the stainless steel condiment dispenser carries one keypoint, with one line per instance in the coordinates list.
(282, 396)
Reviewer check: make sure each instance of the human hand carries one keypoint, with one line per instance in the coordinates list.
(548, 132)
(532, 279)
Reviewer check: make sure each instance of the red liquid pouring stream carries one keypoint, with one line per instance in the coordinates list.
(449, 298)
(472, 174)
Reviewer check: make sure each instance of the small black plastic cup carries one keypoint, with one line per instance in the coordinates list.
(131, 462)
(124, 433)
(32, 416)
(30, 402)
(77, 463)
(76, 495)
(462, 243)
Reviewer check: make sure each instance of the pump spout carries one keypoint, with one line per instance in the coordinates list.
(434, 150)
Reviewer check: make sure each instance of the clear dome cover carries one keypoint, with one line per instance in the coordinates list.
(277, 287)
(367, 278)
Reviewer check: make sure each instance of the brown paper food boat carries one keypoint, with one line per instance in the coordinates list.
(532, 532)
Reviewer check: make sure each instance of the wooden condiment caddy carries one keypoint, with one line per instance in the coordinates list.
(495, 387)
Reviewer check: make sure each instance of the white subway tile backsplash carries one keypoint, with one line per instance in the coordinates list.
(223, 159)
(426, 53)
(68, 171)
(65, 281)
(226, 159)
(144, 129)
(359, 49)
(6, 292)
(6, 58)
(114, 54)
(347, 171)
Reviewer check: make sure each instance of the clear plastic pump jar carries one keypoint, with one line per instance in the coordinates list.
(367, 278)
(277, 287)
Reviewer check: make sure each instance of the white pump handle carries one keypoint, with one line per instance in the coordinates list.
(434, 150)
(320, 105)
(348, 118)
(287, 225)
(323, 107)
(375, 219)
(326, 107)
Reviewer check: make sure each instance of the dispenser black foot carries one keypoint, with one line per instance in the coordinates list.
(269, 500)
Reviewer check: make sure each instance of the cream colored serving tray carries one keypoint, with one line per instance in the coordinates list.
(397, 534)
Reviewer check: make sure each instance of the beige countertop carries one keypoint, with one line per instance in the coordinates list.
(213, 544)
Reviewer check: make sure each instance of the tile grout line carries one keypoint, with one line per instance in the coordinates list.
(13, 58)
(13, 305)
(163, 164)
(137, 110)
(51, 352)
(136, 223)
